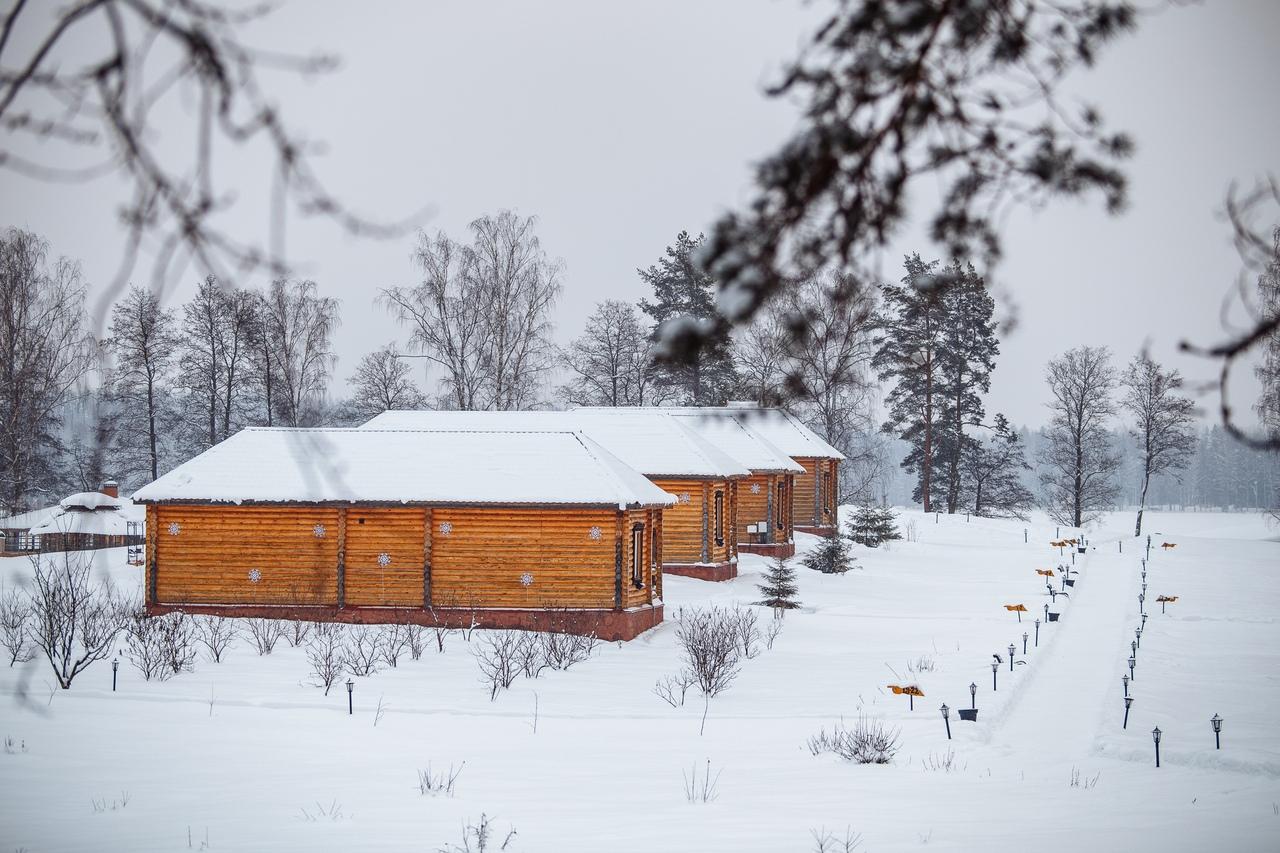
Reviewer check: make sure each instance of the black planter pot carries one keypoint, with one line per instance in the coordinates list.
(1081, 549)
(970, 714)
(1071, 582)
(1053, 617)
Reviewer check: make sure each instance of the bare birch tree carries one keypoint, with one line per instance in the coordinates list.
(383, 382)
(144, 341)
(611, 364)
(217, 331)
(1079, 463)
(1163, 421)
(297, 327)
(44, 352)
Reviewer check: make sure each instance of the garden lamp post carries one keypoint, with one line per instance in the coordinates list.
(1216, 722)
(1155, 736)
(115, 667)
(1137, 632)
(1046, 613)
(1142, 598)
(1024, 643)
(1144, 587)
(1144, 620)
(351, 686)
(995, 667)
(1128, 700)
(1037, 633)
(1124, 679)
(1012, 649)
(1132, 662)
(1133, 647)
(973, 696)
(946, 719)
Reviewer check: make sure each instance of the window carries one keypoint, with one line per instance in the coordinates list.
(826, 490)
(653, 546)
(637, 555)
(719, 518)
(782, 502)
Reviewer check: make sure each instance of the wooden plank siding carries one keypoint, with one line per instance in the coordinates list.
(683, 522)
(215, 551)
(393, 535)
(815, 492)
(753, 506)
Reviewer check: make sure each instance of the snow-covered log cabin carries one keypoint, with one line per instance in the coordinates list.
(697, 531)
(511, 529)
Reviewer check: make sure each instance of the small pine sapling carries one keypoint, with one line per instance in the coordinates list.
(778, 586)
(873, 525)
(831, 557)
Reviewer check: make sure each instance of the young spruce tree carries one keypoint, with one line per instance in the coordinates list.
(831, 557)
(778, 587)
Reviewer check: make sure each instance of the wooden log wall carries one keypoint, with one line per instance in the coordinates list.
(682, 522)
(805, 503)
(384, 556)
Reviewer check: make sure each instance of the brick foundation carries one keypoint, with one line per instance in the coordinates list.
(827, 531)
(772, 549)
(703, 571)
(605, 624)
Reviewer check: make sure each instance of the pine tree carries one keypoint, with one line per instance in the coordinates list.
(683, 293)
(831, 557)
(872, 525)
(993, 470)
(779, 586)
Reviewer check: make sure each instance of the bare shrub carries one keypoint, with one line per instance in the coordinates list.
(709, 641)
(499, 658)
(216, 633)
(912, 531)
(1077, 781)
(562, 649)
(868, 742)
(704, 788)
(74, 621)
(161, 646)
(416, 638)
(481, 837)
(826, 841)
(15, 626)
(940, 762)
(771, 631)
(924, 663)
(441, 629)
(265, 633)
(747, 627)
(296, 631)
(393, 640)
(435, 784)
(325, 648)
(672, 688)
(362, 651)
(530, 654)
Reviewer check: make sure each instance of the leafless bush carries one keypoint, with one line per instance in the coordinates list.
(704, 789)
(912, 531)
(265, 633)
(74, 621)
(480, 838)
(771, 631)
(562, 649)
(216, 633)
(441, 629)
(15, 626)
(747, 627)
(296, 631)
(1084, 782)
(709, 641)
(672, 688)
(923, 663)
(394, 642)
(362, 651)
(531, 653)
(499, 658)
(825, 841)
(161, 646)
(869, 742)
(325, 649)
(434, 784)
(943, 762)
(416, 638)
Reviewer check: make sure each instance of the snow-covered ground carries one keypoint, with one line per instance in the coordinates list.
(245, 755)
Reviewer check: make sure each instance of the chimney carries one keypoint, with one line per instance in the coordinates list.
(111, 488)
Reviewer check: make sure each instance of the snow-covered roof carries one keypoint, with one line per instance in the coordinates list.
(102, 522)
(280, 465)
(655, 444)
(27, 520)
(784, 431)
(90, 500)
(737, 437)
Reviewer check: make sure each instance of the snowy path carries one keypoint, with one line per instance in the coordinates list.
(1072, 686)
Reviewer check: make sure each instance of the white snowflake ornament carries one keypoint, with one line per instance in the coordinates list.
(755, 488)
(595, 533)
(526, 579)
(683, 497)
(255, 576)
(446, 528)
(384, 559)
(174, 528)
(319, 531)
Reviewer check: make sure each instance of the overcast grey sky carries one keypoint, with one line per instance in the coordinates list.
(619, 124)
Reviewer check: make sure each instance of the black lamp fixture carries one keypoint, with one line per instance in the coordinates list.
(1132, 663)
(351, 686)
(1124, 679)
(1133, 647)
(1128, 700)
(115, 667)
(973, 696)
(1046, 613)
(1037, 633)
(1155, 736)
(1137, 632)
(1216, 722)
(995, 667)
(1012, 649)
(1024, 643)
(1144, 620)
(946, 718)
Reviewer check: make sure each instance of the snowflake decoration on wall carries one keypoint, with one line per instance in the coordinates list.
(526, 579)
(683, 498)
(755, 488)
(254, 576)
(174, 528)
(446, 528)
(318, 530)
(384, 559)
(595, 533)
